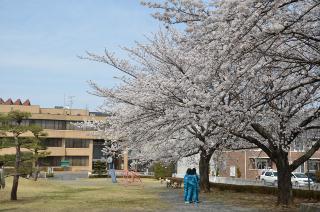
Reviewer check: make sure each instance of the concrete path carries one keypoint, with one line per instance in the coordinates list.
(174, 197)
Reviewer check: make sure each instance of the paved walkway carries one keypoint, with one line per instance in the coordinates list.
(174, 197)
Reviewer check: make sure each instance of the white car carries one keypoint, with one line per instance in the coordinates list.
(269, 177)
(300, 179)
(297, 179)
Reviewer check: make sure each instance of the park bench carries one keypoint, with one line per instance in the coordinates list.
(174, 182)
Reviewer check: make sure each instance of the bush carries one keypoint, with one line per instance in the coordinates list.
(99, 168)
(163, 171)
(297, 193)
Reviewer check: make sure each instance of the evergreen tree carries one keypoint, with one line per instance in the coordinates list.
(16, 133)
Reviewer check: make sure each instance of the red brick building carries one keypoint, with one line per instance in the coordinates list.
(250, 163)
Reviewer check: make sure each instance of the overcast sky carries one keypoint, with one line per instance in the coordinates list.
(41, 39)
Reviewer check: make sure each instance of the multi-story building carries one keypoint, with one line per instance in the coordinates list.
(65, 141)
(251, 163)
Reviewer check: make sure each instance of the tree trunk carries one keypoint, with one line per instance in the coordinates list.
(36, 167)
(285, 196)
(36, 172)
(16, 174)
(204, 171)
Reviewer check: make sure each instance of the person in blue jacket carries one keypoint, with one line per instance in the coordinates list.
(185, 185)
(192, 186)
(197, 187)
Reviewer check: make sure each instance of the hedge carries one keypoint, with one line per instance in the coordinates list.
(298, 193)
(162, 170)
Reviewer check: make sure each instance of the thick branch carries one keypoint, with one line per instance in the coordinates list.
(305, 157)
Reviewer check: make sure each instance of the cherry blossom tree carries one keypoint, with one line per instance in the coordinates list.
(166, 104)
(268, 52)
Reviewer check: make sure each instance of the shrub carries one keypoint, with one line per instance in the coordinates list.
(99, 167)
(163, 171)
(297, 193)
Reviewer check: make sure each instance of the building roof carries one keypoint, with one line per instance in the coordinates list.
(17, 102)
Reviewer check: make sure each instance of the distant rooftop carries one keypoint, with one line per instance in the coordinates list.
(56, 110)
(17, 102)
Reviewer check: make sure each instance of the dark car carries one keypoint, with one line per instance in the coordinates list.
(312, 176)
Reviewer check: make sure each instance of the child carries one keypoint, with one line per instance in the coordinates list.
(185, 185)
(197, 187)
(192, 186)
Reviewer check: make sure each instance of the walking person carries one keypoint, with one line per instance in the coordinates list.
(192, 186)
(2, 177)
(185, 185)
(111, 167)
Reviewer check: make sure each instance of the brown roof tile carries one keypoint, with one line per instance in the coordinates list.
(8, 102)
(17, 102)
(27, 103)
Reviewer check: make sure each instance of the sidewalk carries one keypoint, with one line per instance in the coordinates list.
(174, 197)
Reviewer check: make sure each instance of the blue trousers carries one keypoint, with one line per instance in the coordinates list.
(191, 191)
(192, 194)
(196, 195)
(113, 175)
(186, 194)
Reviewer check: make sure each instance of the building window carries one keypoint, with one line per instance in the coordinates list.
(71, 125)
(50, 161)
(98, 145)
(57, 124)
(300, 168)
(49, 124)
(297, 145)
(78, 160)
(260, 163)
(77, 143)
(314, 164)
(53, 142)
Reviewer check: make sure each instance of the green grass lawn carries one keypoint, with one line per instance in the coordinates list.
(82, 195)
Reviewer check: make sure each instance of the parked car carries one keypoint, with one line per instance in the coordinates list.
(269, 177)
(300, 179)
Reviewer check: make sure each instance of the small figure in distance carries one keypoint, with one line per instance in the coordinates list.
(2, 177)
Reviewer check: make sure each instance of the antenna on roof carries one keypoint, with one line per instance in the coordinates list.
(70, 100)
(64, 100)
